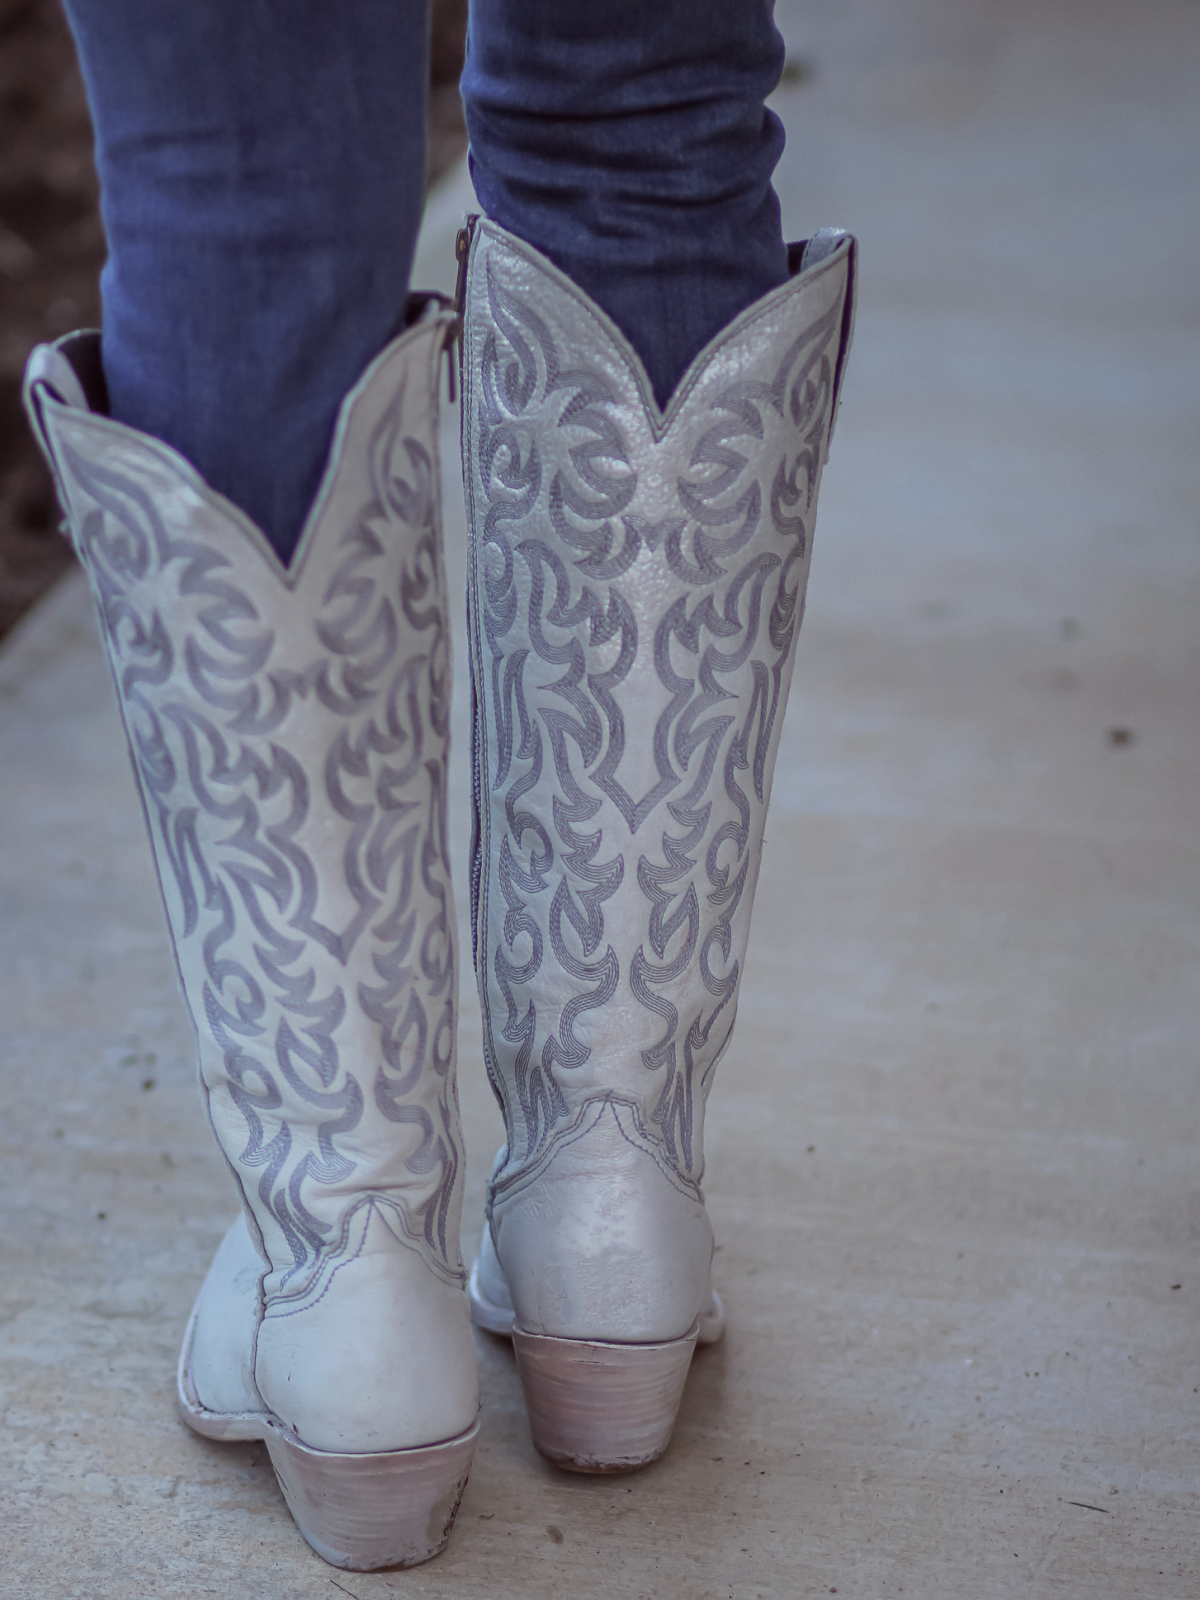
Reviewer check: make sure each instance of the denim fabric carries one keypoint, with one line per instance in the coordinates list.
(628, 142)
(262, 176)
(262, 167)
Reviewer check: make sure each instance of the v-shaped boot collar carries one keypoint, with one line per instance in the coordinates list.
(64, 392)
(832, 251)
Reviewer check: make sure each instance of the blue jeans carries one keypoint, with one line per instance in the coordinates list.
(261, 166)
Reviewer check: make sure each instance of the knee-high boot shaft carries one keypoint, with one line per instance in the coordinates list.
(289, 733)
(637, 587)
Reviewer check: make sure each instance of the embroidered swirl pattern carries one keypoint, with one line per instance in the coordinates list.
(634, 605)
(290, 740)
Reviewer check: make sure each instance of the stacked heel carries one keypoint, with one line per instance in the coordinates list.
(361, 1512)
(598, 1407)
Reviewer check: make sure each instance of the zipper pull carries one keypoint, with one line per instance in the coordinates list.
(453, 333)
(462, 254)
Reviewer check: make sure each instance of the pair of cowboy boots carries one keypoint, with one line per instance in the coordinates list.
(636, 586)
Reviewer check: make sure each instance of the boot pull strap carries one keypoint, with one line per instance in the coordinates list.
(848, 309)
(810, 253)
(71, 373)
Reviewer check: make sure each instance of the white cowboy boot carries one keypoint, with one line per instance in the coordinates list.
(637, 582)
(289, 734)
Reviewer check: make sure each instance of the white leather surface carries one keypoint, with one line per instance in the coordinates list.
(383, 1361)
(601, 1243)
(489, 1274)
(227, 1312)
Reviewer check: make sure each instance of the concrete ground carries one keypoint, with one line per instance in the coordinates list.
(954, 1149)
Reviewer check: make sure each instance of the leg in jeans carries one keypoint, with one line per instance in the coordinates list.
(629, 143)
(262, 177)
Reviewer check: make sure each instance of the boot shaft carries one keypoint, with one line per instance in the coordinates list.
(637, 587)
(289, 730)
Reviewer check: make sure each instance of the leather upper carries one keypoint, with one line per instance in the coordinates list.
(289, 729)
(637, 583)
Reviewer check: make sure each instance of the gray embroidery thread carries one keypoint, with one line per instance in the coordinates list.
(286, 989)
(574, 522)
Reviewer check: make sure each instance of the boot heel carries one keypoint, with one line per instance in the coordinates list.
(394, 1509)
(597, 1407)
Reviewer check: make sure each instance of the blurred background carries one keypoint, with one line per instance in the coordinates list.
(52, 248)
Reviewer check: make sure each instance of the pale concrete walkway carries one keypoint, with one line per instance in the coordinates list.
(953, 1162)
